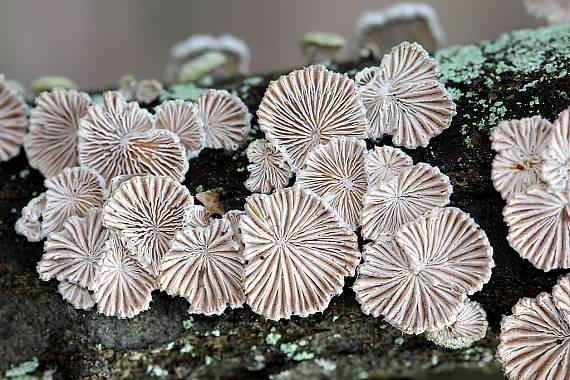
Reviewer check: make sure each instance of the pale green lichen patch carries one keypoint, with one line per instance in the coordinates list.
(460, 64)
(273, 337)
(183, 91)
(23, 370)
(188, 323)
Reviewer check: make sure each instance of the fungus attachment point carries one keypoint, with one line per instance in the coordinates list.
(13, 122)
(298, 253)
(267, 169)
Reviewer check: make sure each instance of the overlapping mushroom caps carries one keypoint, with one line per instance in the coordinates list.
(51, 143)
(297, 253)
(518, 144)
(335, 172)
(119, 138)
(183, 119)
(29, 224)
(267, 169)
(13, 122)
(205, 266)
(404, 98)
(309, 107)
(555, 168)
(384, 163)
(561, 294)
(419, 280)
(226, 119)
(534, 340)
(78, 296)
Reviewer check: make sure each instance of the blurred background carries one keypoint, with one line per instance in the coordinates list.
(95, 42)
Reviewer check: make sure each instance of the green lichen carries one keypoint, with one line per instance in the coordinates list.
(188, 323)
(303, 355)
(156, 371)
(289, 348)
(23, 370)
(460, 64)
(187, 349)
(202, 66)
(272, 338)
(49, 82)
(184, 91)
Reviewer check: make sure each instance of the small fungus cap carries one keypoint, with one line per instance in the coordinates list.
(13, 122)
(298, 253)
(561, 294)
(267, 169)
(556, 155)
(51, 143)
(205, 266)
(384, 163)
(309, 107)
(29, 224)
(78, 296)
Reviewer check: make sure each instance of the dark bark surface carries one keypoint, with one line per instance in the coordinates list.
(518, 75)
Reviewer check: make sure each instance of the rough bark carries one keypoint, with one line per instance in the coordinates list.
(520, 74)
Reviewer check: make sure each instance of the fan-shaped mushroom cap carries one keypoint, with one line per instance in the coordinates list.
(71, 193)
(556, 155)
(119, 138)
(385, 163)
(561, 294)
(30, 224)
(335, 172)
(123, 288)
(196, 216)
(519, 144)
(539, 227)
(405, 100)
(470, 326)
(554, 11)
(268, 169)
(148, 210)
(298, 253)
(13, 122)
(73, 253)
(183, 119)
(234, 217)
(376, 32)
(417, 190)
(51, 143)
(534, 341)
(309, 107)
(321, 47)
(78, 296)
(204, 266)
(226, 119)
(419, 281)
(364, 76)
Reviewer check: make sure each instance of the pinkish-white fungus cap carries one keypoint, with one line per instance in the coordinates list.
(196, 216)
(51, 143)
(561, 294)
(309, 107)
(470, 326)
(226, 119)
(30, 223)
(553, 11)
(148, 210)
(267, 169)
(376, 32)
(119, 138)
(539, 227)
(534, 341)
(234, 217)
(73, 253)
(205, 266)
(183, 119)
(405, 99)
(123, 288)
(71, 193)
(78, 296)
(335, 172)
(417, 190)
(13, 122)
(364, 76)
(297, 251)
(419, 281)
(555, 169)
(385, 163)
(519, 144)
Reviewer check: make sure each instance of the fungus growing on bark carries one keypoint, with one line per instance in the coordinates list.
(267, 169)
(553, 11)
(385, 163)
(539, 226)
(309, 107)
(417, 190)
(13, 122)
(376, 32)
(321, 47)
(404, 99)
(297, 253)
(518, 144)
(73, 253)
(119, 138)
(29, 224)
(143, 91)
(71, 193)
(555, 168)
(50, 82)
(534, 340)
(419, 281)
(123, 288)
(147, 211)
(234, 217)
(335, 172)
(78, 296)
(561, 294)
(225, 118)
(182, 118)
(51, 143)
(470, 326)
(364, 76)
(204, 265)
